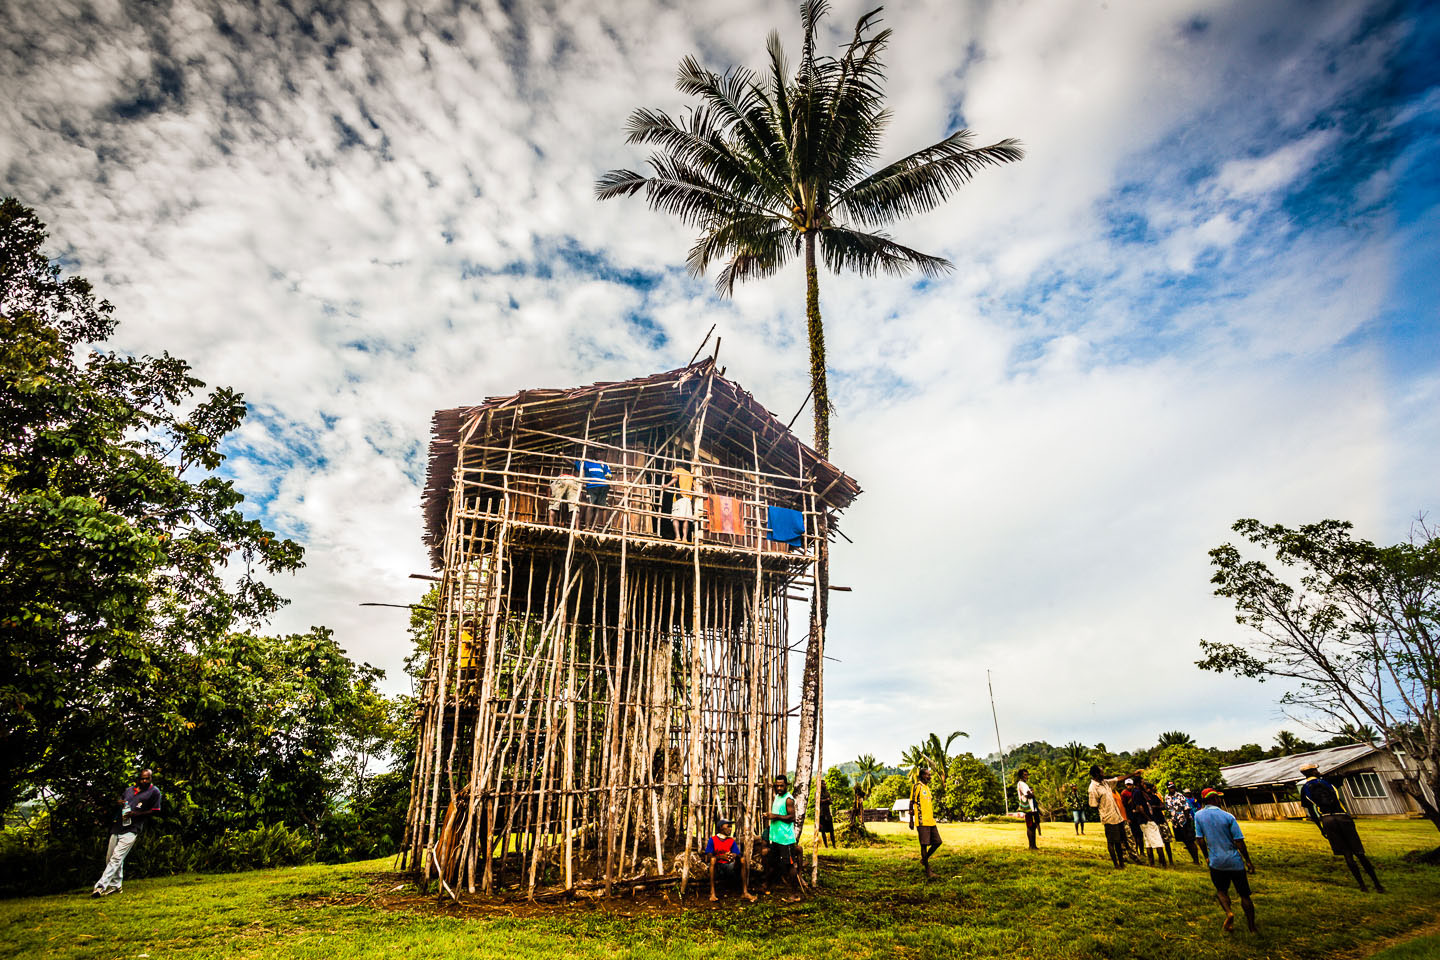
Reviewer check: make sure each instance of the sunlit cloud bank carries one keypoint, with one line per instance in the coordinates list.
(1192, 302)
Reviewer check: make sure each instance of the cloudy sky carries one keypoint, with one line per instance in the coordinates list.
(1208, 292)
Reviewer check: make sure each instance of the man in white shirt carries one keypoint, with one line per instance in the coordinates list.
(1028, 805)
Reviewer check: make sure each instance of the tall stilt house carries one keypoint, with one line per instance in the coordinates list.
(609, 670)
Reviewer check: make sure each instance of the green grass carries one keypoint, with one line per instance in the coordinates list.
(993, 899)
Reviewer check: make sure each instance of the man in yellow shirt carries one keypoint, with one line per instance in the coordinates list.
(922, 805)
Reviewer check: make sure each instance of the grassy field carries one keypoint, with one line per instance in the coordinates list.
(992, 899)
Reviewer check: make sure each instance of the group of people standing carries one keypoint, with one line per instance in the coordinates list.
(1136, 818)
(586, 490)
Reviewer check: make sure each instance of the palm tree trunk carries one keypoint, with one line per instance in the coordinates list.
(820, 603)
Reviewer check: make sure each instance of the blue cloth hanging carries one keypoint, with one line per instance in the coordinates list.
(787, 526)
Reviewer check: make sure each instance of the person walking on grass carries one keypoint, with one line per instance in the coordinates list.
(782, 854)
(1220, 839)
(137, 805)
(922, 805)
(1112, 815)
(1324, 807)
(1182, 818)
(1031, 809)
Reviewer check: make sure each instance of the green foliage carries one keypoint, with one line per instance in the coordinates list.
(1171, 738)
(892, 788)
(130, 597)
(971, 789)
(1191, 767)
(992, 900)
(116, 536)
(1348, 625)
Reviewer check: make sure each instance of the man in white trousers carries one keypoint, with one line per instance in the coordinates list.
(137, 804)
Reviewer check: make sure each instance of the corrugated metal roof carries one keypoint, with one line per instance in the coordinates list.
(1287, 769)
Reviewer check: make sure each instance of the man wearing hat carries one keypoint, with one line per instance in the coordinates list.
(726, 860)
(1223, 844)
(1323, 805)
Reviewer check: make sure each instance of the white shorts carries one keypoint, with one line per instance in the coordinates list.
(682, 508)
(1152, 835)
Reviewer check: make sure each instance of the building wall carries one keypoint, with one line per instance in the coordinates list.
(1386, 769)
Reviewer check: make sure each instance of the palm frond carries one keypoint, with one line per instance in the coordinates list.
(871, 253)
(920, 182)
(760, 254)
(737, 104)
(752, 235)
(619, 183)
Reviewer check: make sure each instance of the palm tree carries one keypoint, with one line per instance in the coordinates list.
(1176, 738)
(774, 166)
(1074, 758)
(1287, 742)
(867, 773)
(938, 754)
(1364, 733)
(913, 759)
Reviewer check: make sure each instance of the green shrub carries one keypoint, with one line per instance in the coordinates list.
(272, 845)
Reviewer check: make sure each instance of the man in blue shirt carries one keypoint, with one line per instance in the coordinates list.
(596, 475)
(1223, 845)
(137, 804)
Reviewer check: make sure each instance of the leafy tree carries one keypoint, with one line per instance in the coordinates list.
(1245, 753)
(892, 788)
(776, 166)
(1358, 635)
(1191, 767)
(1171, 738)
(868, 772)
(116, 538)
(972, 789)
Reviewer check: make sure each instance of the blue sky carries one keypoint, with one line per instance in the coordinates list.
(1207, 293)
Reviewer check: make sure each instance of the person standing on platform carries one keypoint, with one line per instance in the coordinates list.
(1223, 844)
(137, 805)
(682, 504)
(596, 474)
(922, 806)
(1028, 805)
(1324, 807)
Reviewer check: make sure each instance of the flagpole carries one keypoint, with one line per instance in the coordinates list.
(1004, 790)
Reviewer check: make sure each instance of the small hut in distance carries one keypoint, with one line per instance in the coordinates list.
(609, 666)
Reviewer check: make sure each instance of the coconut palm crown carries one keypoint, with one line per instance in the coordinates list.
(770, 167)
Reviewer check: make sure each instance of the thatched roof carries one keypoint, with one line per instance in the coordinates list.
(734, 417)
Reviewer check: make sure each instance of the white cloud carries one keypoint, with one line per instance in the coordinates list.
(1139, 343)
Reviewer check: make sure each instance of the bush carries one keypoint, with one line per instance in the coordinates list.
(273, 845)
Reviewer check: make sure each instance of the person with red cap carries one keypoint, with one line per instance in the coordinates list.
(1223, 845)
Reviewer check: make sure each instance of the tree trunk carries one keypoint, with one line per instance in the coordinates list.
(819, 604)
